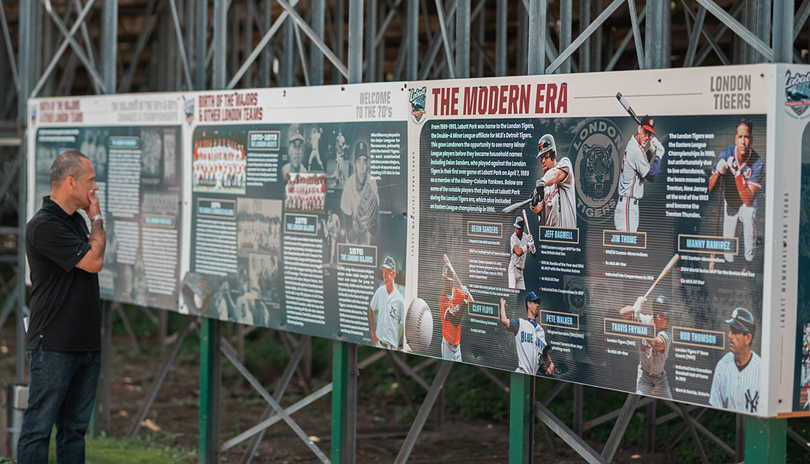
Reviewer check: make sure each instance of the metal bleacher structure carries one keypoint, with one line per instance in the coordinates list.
(82, 47)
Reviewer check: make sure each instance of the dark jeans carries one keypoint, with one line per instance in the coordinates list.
(61, 391)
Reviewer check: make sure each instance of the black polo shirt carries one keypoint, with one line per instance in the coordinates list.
(65, 312)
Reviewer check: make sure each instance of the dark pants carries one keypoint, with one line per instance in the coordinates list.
(61, 391)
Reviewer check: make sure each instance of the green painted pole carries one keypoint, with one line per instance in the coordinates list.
(765, 440)
(520, 418)
(340, 376)
(210, 369)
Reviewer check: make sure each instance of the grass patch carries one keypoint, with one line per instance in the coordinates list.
(104, 450)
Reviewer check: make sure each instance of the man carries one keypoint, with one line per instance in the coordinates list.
(554, 196)
(295, 145)
(360, 201)
(315, 154)
(652, 353)
(642, 160)
(741, 171)
(530, 339)
(520, 243)
(386, 312)
(452, 302)
(735, 385)
(341, 172)
(64, 336)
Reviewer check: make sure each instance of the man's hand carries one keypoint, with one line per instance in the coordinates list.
(94, 209)
(639, 303)
(722, 166)
(374, 339)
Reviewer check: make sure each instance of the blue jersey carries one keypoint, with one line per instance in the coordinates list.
(530, 341)
(753, 170)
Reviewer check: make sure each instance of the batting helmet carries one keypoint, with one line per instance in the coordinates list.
(547, 145)
(743, 321)
(661, 306)
(447, 273)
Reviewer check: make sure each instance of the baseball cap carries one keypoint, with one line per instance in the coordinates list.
(648, 123)
(742, 320)
(530, 297)
(389, 263)
(519, 223)
(661, 306)
(295, 133)
(360, 150)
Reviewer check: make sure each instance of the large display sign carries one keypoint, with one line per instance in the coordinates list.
(134, 143)
(636, 231)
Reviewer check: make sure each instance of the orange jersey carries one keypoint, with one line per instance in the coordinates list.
(451, 312)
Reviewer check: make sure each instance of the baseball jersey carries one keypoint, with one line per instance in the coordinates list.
(753, 171)
(736, 388)
(530, 340)
(634, 168)
(559, 200)
(652, 361)
(451, 313)
(350, 201)
(389, 312)
(516, 261)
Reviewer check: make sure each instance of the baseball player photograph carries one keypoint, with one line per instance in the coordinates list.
(452, 303)
(642, 161)
(735, 384)
(521, 243)
(652, 353)
(530, 339)
(360, 201)
(554, 196)
(295, 147)
(386, 312)
(739, 172)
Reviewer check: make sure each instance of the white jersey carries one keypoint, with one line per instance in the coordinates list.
(515, 261)
(559, 200)
(736, 389)
(530, 340)
(634, 168)
(389, 313)
(652, 361)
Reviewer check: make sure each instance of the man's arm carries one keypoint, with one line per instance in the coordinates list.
(553, 176)
(627, 313)
(93, 260)
(374, 338)
(657, 343)
(504, 320)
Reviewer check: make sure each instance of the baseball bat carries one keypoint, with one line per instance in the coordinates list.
(664, 273)
(526, 223)
(627, 107)
(515, 206)
(453, 270)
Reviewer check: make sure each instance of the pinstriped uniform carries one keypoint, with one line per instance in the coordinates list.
(736, 388)
(631, 186)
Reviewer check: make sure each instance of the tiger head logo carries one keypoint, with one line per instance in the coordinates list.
(596, 149)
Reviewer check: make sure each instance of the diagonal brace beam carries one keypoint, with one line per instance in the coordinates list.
(738, 28)
(565, 54)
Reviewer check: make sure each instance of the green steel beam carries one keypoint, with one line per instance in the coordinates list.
(210, 370)
(765, 440)
(520, 418)
(340, 376)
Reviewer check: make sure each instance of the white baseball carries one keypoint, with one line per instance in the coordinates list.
(419, 326)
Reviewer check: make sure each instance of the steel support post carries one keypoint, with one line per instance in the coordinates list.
(210, 378)
(371, 45)
(585, 48)
(521, 418)
(462, 41)
(344, 402)
(412, 36)
(537, 36)
(783, 31)
(26, 51)
(500, 38)
(201, 29)
(318, 8)
(566, 20)
(765, 440)
(579, 394)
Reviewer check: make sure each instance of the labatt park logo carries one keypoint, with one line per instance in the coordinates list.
(797, 92)
(598, 161)
(417, 101)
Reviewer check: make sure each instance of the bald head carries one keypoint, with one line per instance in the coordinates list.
(68, 164)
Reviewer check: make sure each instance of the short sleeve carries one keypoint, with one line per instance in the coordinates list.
(513, 326)
(57, 242)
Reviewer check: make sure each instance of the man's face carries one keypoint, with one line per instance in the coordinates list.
(295, 153)
(532, 309)
(388, 276)
(644, 136)
(661, 322)
(738, 341)
(518, 231)
(83, 183)
(743, 141)
(361, 169)
(546, 162)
